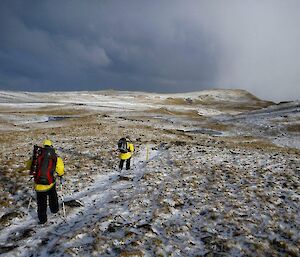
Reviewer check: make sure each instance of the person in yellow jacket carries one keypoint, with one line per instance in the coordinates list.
(126, 156)
(45, 191)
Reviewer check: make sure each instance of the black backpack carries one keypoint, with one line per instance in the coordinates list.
(122, 145)
(43, 165)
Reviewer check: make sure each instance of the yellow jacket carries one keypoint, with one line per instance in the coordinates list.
(59, 169)
(126, 156)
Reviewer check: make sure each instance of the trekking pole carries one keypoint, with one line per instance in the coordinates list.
(29, 204)
(147, 152)
(63, 200)
(30, 199)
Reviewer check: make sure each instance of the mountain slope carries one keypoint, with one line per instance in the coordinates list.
(205, 180)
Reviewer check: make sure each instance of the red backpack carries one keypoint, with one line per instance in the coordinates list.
(43, 165)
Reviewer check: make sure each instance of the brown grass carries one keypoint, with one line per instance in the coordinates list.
(232, 106)
(217, 126)
(56, 112)
(166, 111)
(175, 101)
(295, 128)
(132, 253)
(258, 143)
(253, 103)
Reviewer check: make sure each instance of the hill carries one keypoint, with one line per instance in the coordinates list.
(215, 173)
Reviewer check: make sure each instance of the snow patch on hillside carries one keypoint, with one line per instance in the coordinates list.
(214, 184)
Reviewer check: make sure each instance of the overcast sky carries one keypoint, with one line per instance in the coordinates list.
(158, 45)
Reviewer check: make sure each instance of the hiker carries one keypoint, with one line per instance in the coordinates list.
(42, 166)
(126, 149)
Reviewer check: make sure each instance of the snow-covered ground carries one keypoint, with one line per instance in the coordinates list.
(215, 173)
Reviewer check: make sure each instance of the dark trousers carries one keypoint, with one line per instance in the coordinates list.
(42, 198)
(122, 163)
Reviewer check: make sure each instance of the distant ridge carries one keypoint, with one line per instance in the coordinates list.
(209, 96)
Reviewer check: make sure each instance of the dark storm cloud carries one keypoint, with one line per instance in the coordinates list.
(163, 46)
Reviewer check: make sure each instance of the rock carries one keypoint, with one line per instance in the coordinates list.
(7, 248)
(113, 227)
(74, 203)
(125, 178)
(6, 219)
(179, 143)
(20, 235)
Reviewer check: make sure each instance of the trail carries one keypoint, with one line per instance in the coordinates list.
(28, 238)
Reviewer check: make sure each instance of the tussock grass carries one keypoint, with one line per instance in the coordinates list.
(166, 111)
(295, 128)
(217, 126)
(176, 101)
(251, 104)
(232, 106)
(261, 144)
(56, 111)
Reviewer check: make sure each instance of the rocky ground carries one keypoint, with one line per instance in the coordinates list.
(215, 173)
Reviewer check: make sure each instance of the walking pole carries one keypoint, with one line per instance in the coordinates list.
(63, 200)
(147, 152)
(30, 200)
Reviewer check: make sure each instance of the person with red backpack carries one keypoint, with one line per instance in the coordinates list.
(43, 165)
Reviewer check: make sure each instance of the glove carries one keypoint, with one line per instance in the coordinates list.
(61, 180)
